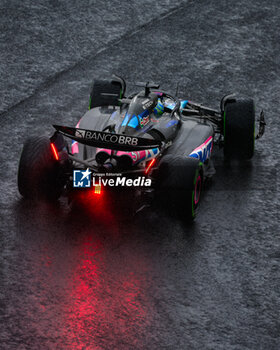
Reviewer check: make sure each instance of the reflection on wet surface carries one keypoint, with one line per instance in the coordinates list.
(76, 292)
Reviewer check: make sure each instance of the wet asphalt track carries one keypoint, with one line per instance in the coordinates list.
(99, 281)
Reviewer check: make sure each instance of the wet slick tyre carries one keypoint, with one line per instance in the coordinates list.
(179, 185)
(38, 172)
(239, 129)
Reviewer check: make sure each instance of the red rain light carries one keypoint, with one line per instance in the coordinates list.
(97, 189)
(54, 151)
(149, 166)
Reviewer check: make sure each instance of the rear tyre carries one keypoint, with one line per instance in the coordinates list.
(239, 129)
(179, 186)
(38, 172)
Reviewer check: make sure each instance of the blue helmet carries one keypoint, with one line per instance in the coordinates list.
(159, 108)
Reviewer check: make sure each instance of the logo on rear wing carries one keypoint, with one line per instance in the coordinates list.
(107, 140)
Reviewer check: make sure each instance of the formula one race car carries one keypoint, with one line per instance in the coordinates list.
(160, 144)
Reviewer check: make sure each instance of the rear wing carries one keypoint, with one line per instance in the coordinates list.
(107, 140)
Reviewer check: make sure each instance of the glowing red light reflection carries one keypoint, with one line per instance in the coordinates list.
(54, 151)
(149, 166)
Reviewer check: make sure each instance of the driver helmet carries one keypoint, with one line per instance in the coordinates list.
(159, 109)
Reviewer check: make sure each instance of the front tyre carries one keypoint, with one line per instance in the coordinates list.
(38, 172)
(239, 129)
(179, 186)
